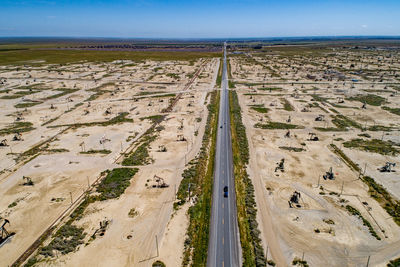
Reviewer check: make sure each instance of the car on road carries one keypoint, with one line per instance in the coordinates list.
(225, 191)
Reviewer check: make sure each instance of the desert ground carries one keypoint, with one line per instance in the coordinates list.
(93, 154)
(76, 121)
(282, 90)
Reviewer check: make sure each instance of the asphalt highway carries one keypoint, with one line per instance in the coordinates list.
(224, 245)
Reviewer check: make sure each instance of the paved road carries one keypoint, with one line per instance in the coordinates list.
(223, 247)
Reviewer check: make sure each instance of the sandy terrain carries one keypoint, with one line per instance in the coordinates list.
(290, 232)
(60, 171)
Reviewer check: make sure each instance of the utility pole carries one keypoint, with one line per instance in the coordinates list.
(266, 255)
(341, 191)
(70, 194)
(365, 168)
(189, 191)
(368, 261)
(157, 246)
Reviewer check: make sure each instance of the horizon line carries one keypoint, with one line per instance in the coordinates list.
(208, 38)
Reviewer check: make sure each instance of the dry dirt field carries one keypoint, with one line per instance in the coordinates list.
(282, 90)
(94, 153)
(78, 120)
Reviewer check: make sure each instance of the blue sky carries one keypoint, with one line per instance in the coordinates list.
(198, 19)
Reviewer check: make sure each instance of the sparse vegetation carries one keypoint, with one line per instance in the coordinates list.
(173, 76)
(364, 135)
(392, 110)
(65, 240)
(374, 146)
(64, 91)
(27, 104)
(115, 183)
(328, 221)
(34, 56)
(346, 159)
(286, 105)
(377, 191)
(94, 151)
(376, 128)
(98, 91)
(158, 264)
(200, 175)
(133, 213)
(277, 125)
(356, 213)
(260, 108)
(17, 127)
(343, 122)
(35, 150)
(56, 150)
(141, 155)
(270, 89)
(290, 149)
(297, 261)
(219, 76)
(252, 250)
(13, 204)
(144, 93)
(380, 194)
(394, 263)
(120, 118)
(154, 118)
(18, 94)
(373, 100)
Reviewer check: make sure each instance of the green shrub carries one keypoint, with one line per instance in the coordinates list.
(286, 105)
(158, 264)
(27, 104)
(64, 91)
(19, 126)
(364, 135)
(342, 122)
(277, 125)
(31, 262)
(394, 263)
(66, 240)
(373, 100)
(374, 146)
(392, 110)
(115, 183)
(141, 155)
(260, 108)
(294, 149)
(300, 262)
(93, 151)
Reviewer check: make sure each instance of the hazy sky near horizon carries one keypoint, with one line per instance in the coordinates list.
(198, 19)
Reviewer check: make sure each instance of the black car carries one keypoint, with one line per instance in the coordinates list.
(225, 191)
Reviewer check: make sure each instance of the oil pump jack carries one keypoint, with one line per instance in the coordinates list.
(4, 234)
